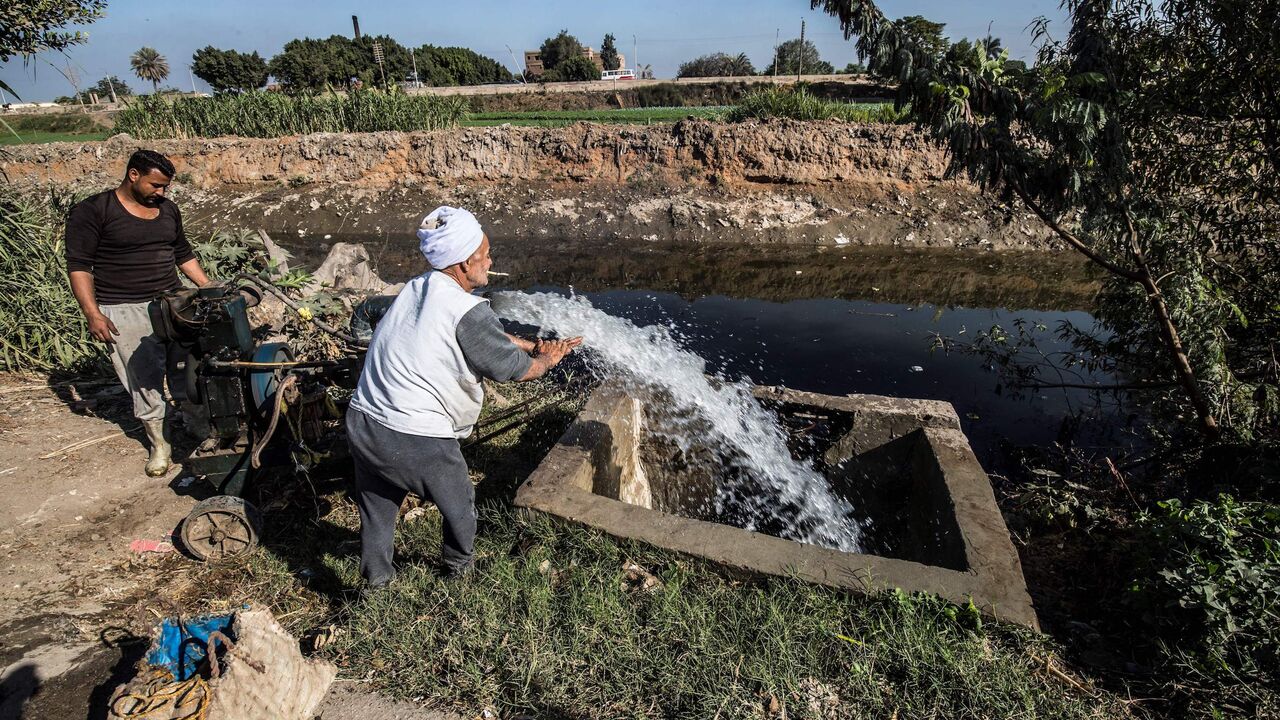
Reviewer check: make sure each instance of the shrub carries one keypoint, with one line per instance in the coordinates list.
(1210, 585)
(800, 104)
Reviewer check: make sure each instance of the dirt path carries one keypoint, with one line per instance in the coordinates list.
(74, 610)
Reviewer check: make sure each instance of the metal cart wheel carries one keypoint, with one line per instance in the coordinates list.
(221, 527)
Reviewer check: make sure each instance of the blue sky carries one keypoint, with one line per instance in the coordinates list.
(667, 32)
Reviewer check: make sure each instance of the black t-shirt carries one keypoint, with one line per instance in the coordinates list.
(132, 259)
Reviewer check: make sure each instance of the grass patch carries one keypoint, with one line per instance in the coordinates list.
(267, 115)
(49, 127)
(36, 138)
(563, 621)
(800, 104)
(561, 118)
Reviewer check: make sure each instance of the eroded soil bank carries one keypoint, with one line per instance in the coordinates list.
(826, 182)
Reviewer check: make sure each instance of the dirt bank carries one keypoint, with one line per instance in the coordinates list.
(781, 181)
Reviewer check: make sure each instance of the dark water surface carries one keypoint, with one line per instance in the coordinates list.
(833, 320)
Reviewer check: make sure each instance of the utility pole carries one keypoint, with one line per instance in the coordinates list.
(355, 25)
(520, 65)
(800, 64)
(777, 33)
(377, 56)
(413, 56)
(635, 59)
(192, 77)
(111, 83)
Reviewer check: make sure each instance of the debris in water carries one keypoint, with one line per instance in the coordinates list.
(916, 368)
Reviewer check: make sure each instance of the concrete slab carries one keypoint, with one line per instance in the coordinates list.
(933, 497)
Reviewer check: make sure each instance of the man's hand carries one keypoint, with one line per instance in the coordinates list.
(102, 329)
(547, 354)
(555, 350)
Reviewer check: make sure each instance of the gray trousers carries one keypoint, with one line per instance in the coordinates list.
(389, 466)
(142, 361)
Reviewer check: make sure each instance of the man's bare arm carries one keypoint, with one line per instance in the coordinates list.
(100, 326)
(192, 270)
(526, 346)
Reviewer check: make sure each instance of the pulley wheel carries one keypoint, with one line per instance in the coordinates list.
(221, 527)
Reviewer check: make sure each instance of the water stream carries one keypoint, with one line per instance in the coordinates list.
(697, 413)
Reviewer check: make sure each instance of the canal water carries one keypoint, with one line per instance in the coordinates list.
(832, 320)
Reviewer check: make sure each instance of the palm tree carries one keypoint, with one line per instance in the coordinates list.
(150, 65)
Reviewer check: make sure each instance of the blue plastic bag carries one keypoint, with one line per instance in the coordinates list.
(180, 646)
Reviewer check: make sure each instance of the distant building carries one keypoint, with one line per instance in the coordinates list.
(533, 61)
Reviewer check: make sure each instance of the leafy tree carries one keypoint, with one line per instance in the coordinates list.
(1148, 140)
(854, 69)
(439, 66)
(311, 64)
(923, 33)
(558, 49)
(796, 56)
(229, 70)
(574, 69)
(148, 64)
(717, 65)
(27, 28)
(609, 53)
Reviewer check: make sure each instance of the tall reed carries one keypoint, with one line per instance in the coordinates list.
(800, 104)
(41, 327)
(268, 114)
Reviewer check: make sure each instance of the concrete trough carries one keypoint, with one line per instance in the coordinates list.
(933, 521)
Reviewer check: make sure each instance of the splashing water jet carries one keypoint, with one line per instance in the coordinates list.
(769, 488)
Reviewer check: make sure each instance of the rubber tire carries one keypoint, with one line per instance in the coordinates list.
(236, 518)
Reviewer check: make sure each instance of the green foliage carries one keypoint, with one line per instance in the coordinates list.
(799, 56)
(28, 28)
(338, 62)
(1139, 139)
(573, 69)
(229, 70)
(558, 49)
(853, 69)
(41, 326)
(441, 66)
(263, 114)
(1210, 586)
(148, 64)
(923, 33)
(609, 53)
(717, 65)
(800, 104)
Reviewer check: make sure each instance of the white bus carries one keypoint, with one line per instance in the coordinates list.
(618, 75)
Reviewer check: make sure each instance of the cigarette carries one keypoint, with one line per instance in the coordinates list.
(498, 273)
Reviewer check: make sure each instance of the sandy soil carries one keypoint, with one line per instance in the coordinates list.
(76, 604)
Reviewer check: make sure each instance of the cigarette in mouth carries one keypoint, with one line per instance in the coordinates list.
(491, 272)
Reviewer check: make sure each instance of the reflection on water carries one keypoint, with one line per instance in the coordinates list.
(836, 321)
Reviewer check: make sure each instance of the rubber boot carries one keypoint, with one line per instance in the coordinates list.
(161, 452)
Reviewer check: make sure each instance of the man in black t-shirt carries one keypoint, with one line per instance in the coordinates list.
(122, 247)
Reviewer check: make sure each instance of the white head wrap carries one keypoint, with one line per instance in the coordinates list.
(449, 235)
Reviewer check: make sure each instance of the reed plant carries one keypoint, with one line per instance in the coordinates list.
(268, 114)
(41, 327)
(800, 104)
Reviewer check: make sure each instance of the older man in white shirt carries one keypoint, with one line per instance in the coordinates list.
(420, 392)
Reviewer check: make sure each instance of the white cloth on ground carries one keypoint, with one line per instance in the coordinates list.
(449, 235)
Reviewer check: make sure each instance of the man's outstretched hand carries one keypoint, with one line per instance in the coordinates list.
(547, 354)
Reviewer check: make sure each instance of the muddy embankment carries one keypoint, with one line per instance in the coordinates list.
(826, 183)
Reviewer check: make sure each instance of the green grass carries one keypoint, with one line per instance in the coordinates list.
(557, 623)
(35, 138)
(561, 118)
(49, 127)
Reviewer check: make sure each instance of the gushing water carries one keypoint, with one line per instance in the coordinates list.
(769, 487)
